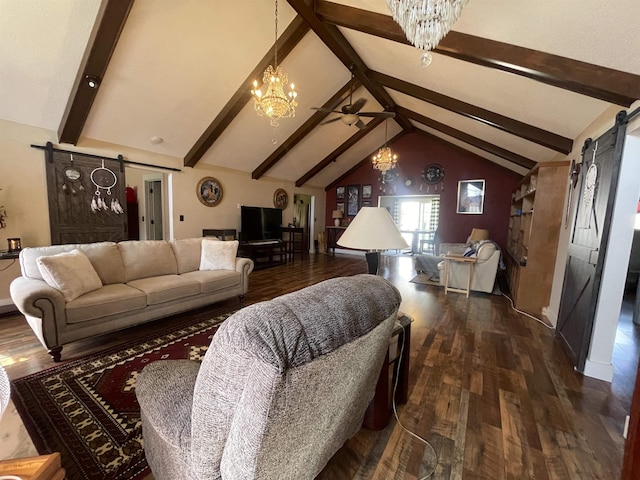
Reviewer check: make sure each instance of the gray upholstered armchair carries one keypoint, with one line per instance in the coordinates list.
(282, 386)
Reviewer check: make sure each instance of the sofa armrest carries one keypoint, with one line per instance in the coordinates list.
(455, 248)
(164, 390)
(31, 295)
(245, 267)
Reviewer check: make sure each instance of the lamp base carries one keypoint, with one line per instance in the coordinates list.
(373, 262)
(336, 222)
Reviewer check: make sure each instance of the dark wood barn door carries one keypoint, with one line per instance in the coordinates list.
(81, 211)
(588, 242)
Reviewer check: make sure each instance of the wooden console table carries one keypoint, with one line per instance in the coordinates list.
(295, 241)
(264, 254)
(221, 233)
(379, 411)
(333, 234)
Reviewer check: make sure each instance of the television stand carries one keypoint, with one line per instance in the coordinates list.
(264, 253)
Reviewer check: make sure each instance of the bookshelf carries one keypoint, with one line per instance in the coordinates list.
(534, 228)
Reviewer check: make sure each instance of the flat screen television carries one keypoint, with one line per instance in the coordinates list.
(260, 223)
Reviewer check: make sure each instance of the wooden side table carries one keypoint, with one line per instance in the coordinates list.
(221, 233)
(379, 410)
(45, 467)
(447, 269)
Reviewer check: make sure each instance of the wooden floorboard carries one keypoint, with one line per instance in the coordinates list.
(492, 390)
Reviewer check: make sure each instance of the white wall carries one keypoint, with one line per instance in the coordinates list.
(24, 191)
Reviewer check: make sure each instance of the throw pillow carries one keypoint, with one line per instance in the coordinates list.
(217, 255)
(70, 272)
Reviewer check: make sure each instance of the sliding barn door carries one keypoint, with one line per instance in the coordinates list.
(588, 241)
(87, 201)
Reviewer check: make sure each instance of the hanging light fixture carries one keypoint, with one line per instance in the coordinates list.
(274, 103)
(425, 22)
(385, 159)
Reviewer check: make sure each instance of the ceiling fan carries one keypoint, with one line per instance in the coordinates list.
(350, 114)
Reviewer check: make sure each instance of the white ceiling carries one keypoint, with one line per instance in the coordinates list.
(177, 64)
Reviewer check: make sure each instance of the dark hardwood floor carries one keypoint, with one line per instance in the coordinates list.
(491, 390)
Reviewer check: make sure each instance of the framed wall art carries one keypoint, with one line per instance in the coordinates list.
(366, 191)
(280, 199)
(471, 196)
(209, 191)
(340, 206)
(353, 200)
(366, 203)
(340, 193)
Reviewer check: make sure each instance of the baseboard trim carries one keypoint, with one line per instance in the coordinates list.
(600, 371)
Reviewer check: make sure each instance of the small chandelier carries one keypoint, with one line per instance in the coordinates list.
(425, 22)
(385, 159)
(275, 104)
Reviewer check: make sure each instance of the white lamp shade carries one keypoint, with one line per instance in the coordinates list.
(372, 229)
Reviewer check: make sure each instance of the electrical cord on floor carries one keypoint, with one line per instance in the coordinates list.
(6, 268)
(395, 412)
(550, 327)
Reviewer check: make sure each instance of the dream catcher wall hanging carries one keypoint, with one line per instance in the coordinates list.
(105, 180)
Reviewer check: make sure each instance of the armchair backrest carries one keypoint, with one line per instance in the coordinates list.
(286, 382)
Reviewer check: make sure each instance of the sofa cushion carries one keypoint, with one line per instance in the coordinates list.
(30, 255)
(212, 280)
(165, 288)
(106, 259)
(187, 252)
(147, 258)
(217, 255)
(70, 272)
(108, 300)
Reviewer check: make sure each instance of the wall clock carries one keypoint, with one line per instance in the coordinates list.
(433, 173)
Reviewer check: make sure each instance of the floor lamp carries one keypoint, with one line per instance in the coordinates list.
(373, 230)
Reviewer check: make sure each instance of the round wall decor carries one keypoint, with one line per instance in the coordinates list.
(280, 199)
(433, 173)
(209, 191)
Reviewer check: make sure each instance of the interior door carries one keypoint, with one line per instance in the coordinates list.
(87, 201)
(153, 190)
(588, 242)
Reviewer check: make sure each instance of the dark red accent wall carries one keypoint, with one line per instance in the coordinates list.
(415, 152)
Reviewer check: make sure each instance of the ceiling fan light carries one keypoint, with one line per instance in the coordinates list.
(350, 119)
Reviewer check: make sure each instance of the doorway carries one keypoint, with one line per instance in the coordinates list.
(303, 217)
(153, 208)
(417, 217)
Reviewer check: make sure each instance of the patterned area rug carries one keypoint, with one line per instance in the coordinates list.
(87, 409)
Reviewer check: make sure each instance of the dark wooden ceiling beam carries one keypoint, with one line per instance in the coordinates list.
(614, 86)
(315, 119)
(362, 162)
(342, 49)
(333, 156)
(469, 139)
(295, 32)
(534, 134)
(101, 49)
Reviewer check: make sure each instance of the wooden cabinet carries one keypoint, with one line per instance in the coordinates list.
(534, 229)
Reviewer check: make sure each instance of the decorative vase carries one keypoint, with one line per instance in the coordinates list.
(336, 222)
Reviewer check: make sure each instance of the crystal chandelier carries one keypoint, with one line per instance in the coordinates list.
(385, 159)
(425, 22)
(275, 104)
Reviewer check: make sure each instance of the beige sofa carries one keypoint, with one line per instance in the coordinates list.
(131, 282)
(484, 270)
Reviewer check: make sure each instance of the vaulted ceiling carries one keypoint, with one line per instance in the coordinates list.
(514, 82)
